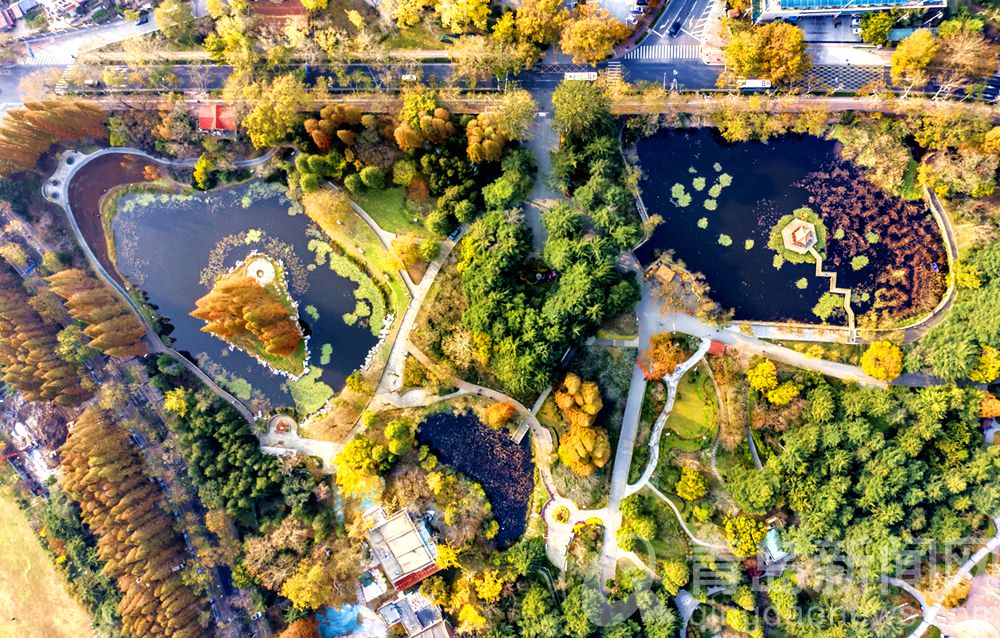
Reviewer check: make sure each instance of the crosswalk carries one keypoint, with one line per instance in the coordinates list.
(657, 52)
(41, 58)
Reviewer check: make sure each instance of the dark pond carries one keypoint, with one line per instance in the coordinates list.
(490, 458)
(172, 247)
(767, 181)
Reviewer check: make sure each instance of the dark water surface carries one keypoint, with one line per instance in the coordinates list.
(490, 458)
(762, 190)
(164, 244)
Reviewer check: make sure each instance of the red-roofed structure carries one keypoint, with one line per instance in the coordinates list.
(717, 348)
(413, 578)
(216, 117)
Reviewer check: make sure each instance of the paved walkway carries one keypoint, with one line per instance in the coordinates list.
(291, 444)
(543, 140)
(930, 612)
(672, 381)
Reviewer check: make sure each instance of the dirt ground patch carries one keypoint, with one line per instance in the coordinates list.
(34, 600)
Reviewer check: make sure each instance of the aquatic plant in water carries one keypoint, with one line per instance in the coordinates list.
(838, 234)
(801, 284)
(309, 393)
(311, 312)
(370, 300)
(871, 237)
(325, 354)
(725, 179)
(711, 204)
(858, 262)
(703, 222)
(698, 183)
(725, 240)
(778, 261)
(680, 195)
(748, 244)
(715, 191)
(253, 236)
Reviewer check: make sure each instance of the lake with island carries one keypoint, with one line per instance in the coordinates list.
(720, 200)
(172, 246)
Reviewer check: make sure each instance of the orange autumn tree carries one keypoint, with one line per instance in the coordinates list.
(989, 408)
(253, 318)
(661, 357)
(585, 447)
(499, 414)
(111, 325)
(26, 133)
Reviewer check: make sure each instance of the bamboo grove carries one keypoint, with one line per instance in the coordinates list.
(136, 537)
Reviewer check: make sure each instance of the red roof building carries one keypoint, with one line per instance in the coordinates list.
(402, 546)
(717, 348)
(216, 117)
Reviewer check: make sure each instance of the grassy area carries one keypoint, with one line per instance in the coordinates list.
(389, 209)
(693, 420)
(35, 597)
(909, 189)
(623, 327)
(421, 36)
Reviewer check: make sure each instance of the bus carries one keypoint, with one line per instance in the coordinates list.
(583, 76)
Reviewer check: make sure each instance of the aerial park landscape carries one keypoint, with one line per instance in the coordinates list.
(657, 319)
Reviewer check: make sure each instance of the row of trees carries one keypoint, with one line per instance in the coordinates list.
(111, 325)
(106, 475)
(28, 132)
(957, 57)
(28, 349)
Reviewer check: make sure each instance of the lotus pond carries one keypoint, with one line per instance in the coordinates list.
(174, 246)
(489, 457)
(720, 202)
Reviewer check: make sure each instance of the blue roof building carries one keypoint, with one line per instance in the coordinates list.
(767, 10)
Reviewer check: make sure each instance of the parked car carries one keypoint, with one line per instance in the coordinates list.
(637, 10)
(143, 20)
(631, 21)
(675, 28)
(642, 3)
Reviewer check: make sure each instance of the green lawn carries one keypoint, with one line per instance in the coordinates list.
(388, 208)
(420, 37)
(693, 420)
(35, 594)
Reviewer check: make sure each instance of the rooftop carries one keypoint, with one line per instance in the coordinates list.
(418, 616)
(799, 236)
(216, 117)
(772, 9)
(402, 547)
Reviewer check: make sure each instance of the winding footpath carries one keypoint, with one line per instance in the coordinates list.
(930, 612)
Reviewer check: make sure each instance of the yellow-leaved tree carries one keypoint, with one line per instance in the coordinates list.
(591, 36)
(882, 360)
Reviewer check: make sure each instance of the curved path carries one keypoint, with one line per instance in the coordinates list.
(680, 519)
(654, 438)
(56, 190)
(930, 612)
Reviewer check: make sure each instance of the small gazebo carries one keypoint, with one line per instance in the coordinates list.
(799, 236)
